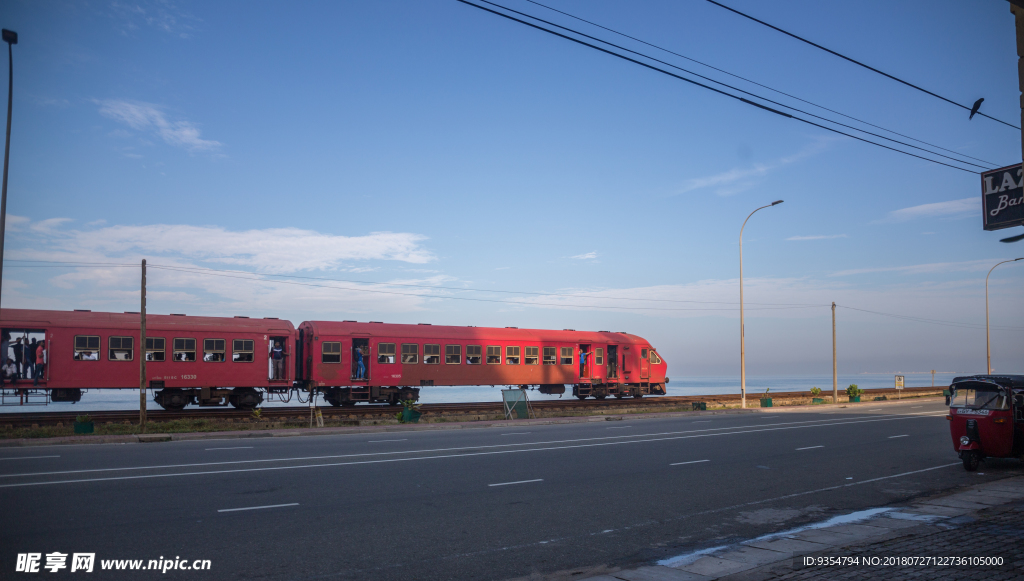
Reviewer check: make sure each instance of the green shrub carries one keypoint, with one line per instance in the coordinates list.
(853, 390)
(815, 391)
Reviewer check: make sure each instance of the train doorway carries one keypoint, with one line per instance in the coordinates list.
(613, 362)
(645, 365)
(361, 357)
(586, 363)
(278, 359)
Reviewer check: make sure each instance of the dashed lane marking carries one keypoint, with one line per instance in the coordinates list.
(232, 448)
(258, 507)
(376, 441)
(516, 434)
(28, 457)
(810, 448)
(517, 482)
(899, 436)
(690, 462)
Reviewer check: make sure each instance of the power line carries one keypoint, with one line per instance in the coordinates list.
(723, 71)
(932, 321)
(719, 91)
(72, 264)
(856, 62)
(737, 88)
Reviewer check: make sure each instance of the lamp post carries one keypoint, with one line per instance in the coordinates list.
(743, 341)
(11, 38)
(988, 342)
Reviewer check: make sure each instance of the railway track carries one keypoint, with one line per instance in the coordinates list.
(369, 412)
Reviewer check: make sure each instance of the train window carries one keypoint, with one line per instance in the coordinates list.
(213, 350)
(242, 350)
(550, 357)
(184, 349)
(511, 355)
(330, 352)
(643, 354)
(385, 352)
(410, 353)
(531, 356)
(599, 356)
(566, 355)
(155, 348)
(453, 354)
(654, 357)
(494, 354)
(87, 348)
(432, 354)
(473, 355)
(121, 348)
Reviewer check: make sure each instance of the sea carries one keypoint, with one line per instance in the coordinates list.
(105, 400)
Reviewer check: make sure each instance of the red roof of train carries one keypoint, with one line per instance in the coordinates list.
(38, 318)
(470, 333)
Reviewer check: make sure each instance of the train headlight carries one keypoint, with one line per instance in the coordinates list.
(964, 440)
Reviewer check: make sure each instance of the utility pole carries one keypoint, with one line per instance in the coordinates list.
(743, 334)
(933, 378)
(11, 38)
(1017, 8)
(142, 349)
(835, 378)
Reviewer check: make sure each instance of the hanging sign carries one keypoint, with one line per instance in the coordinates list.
(1002, 197)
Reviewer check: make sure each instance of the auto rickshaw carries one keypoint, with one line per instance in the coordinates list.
(986, 417)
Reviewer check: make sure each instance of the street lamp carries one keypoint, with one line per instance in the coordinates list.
(11, 38)
(743, 342)
(988, 343)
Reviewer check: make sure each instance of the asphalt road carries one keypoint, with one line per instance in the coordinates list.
(492, 503)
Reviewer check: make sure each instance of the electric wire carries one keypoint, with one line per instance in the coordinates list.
(933, 321)
(70, 264)
(735, 88)
(719, 91)
(856, 62)
(723, 71)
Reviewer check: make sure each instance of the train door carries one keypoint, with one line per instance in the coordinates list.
(613, 362)
(645, 365)
(361, 358)
(586, 362)
(278, 347)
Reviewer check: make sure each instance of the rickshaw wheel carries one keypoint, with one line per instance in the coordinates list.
(971, 460)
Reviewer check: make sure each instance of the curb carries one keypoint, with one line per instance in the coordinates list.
(471, 425)
(774, 554)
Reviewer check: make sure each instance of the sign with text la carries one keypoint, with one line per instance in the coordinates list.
(1002, 197)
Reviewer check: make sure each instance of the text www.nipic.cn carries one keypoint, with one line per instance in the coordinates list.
(57, 561)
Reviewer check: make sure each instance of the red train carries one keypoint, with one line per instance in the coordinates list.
(212, 361)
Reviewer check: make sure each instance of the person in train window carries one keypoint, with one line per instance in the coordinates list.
(90, 356)
(360, 366)
(277, 354)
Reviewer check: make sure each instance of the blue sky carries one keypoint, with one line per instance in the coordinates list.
(431, 144)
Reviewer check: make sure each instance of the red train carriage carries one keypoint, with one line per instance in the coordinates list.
(399, 359)
(204, 360)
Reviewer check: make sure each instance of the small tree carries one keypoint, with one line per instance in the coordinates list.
(815, 391)
(853, 390)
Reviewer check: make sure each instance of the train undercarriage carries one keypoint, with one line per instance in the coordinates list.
(617, 390)
(350, 396)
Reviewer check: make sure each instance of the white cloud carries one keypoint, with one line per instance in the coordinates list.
(929, 268)
(587, 256)
(151, 118)
(951, 209)
(737, 180)
(817, 237)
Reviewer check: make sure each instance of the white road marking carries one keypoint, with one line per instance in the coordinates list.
(700, 421)
(914, 407)
(621, 440)
(690, 462)
(232, 448)
(618, 427)
(875, 410)
(810, 448)
(375, 441)
(899, 436)
(517, 482)
(28, 457)
(516, 434)
(258, 507)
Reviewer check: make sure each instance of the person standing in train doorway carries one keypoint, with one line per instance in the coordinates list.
(40, 362)
(30, 358)
(360, 366)
(277, 355)
(19, 357)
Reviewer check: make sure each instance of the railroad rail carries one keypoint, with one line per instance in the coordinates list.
(372, 412)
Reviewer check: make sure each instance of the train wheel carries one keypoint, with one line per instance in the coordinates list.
(333, 402)
(581, 397)
(245, 398)
(172, 400)
(348, 403)
(600, 397)
(638, 395)
(620, 395)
